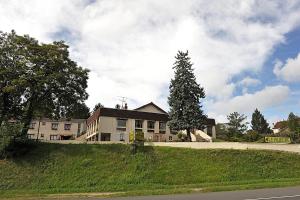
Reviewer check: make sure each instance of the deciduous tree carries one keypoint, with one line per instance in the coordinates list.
(47, 80)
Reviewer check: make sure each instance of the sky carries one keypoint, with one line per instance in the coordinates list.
(246, 54)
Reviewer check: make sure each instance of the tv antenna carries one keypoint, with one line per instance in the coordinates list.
(123, 101)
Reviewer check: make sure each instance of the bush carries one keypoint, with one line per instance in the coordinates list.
(182, 137)
(10, 133)
(252, 136)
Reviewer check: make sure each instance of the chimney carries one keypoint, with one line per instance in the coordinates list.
(126, 106)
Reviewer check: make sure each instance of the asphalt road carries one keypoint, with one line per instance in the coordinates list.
(291, 193)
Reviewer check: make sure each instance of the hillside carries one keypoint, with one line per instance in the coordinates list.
(57, 168)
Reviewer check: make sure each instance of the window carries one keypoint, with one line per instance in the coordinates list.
(30, 136)
(53, 137)
(121, 136)
(32, 125)
(150, 126)
(67, 127)
(162, 127)
(54, 126)
(121, 124)
(138, 124)
(170, 138)
(43, 123)
(42, 135)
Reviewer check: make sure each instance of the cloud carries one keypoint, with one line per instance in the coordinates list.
(248, 81)
(130, 45)
(246, 103)
(288, 71)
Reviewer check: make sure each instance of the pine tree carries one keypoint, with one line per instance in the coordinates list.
(237, 124)
(293, 122)
(185, 93)
(259, 123)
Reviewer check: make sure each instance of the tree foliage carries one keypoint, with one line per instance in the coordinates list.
(237, 124)
(98, 105)
(10, 69)
(294, 126)
(293, 123)
(78, 111)
(185, 94)
(41, 78)
(259, 123)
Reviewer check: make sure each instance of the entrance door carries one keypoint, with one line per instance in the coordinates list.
(105, 136)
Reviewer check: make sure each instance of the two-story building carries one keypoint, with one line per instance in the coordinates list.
(62, 129)
(110, 124)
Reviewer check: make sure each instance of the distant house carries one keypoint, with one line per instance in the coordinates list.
(62, 129)
(279, 126)
(110, 124)
(282, 126)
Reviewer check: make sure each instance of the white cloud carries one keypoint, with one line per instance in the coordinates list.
(130, 45)
(268, 97)
(248, 81)
(288, 71)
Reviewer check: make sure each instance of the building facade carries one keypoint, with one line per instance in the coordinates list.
(108, 124)
(63, 129)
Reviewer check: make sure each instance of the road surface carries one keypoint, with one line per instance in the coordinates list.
(291, 193)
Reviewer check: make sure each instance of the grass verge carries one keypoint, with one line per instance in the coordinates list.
(112, 170)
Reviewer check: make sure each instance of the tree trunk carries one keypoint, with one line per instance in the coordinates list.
(38, 133)
(28, 116)
(5, 105)
(188, 133)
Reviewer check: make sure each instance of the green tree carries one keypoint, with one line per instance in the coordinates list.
(185, 93)
(237, 124)
(98, 105)
(10, 65)
(78, 111)
(293, 124)
(259, 123)
(48, 81)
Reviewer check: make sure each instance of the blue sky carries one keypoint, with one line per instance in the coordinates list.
(245, 53)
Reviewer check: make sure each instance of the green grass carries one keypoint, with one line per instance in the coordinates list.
(72, 168)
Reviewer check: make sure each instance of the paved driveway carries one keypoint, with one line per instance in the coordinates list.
(230, 145)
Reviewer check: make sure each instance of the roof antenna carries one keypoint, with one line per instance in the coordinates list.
(123, 102)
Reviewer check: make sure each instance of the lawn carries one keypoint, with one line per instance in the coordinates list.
(72, 168)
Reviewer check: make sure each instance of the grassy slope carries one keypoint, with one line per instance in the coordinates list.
(54, 168)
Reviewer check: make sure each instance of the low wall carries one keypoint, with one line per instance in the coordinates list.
(81, 142)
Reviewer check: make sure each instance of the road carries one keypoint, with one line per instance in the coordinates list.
(291, 193)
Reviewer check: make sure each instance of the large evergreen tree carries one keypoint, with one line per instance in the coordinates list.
(185, 94)
(259, 123)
